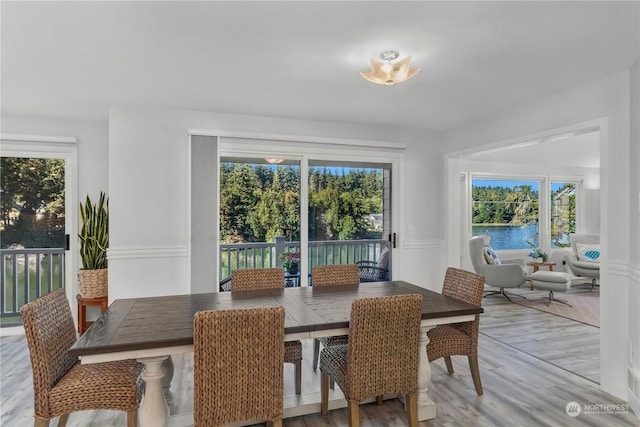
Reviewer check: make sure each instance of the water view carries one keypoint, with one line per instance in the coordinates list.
(507, 237)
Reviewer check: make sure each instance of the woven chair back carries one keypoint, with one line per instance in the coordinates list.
(238, 358)
(468, 287)
(258, 278)
(335, 275)
(49, 329)
(382, 356)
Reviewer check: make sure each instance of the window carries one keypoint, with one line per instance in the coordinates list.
(563, 213)
(521, 214)
(506, 210)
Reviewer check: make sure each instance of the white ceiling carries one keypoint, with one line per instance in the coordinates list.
(577, 150)
(302, 59)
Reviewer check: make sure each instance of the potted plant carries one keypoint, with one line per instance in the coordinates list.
(290, 261)
(94, 241)
(536, 252)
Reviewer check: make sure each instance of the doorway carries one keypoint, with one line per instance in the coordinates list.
(38, 196)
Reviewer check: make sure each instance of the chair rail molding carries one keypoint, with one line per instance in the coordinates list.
(423, 244)
(619, 268)
(147, 252)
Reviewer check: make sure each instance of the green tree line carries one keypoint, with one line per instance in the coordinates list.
(518, 206)
(32, 202)
(503, 205)
(259, 202)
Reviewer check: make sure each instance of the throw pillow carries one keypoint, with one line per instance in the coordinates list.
(589, 253)
(491, 256)
(383, 264)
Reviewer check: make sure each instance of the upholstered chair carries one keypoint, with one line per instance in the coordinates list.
(332, 275)
(381, 357)
(459, 338)
(497, 273)
(270, 278)
(61, 384)
(584, 260)
(238, 357)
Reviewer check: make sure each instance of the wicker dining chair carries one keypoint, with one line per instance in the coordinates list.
(270, 278)
(381, 357)
(238, 357)
(61, 384)
(459, 338)
(332, 275)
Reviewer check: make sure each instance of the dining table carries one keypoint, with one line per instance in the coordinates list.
(151, 329)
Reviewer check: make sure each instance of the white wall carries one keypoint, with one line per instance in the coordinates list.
(148, 182)
(606, 101)
(93, 147)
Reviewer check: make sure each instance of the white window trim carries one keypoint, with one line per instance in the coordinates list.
(55, 147)
(544, 204)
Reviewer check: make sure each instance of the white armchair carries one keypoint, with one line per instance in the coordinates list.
(500, 274)
(584, 260)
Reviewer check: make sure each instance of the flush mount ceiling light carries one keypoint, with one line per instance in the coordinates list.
(389, 73)
(274, 161)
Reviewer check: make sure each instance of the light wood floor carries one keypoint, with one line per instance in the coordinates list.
(532, 364)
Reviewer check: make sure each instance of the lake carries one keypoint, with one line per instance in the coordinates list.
(506, 237)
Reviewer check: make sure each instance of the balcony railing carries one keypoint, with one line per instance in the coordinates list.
(25, 275)
(236, 256)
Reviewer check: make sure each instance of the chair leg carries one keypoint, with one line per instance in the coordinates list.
(41, 422)
(475, 373)
(412, 409)
(553, 298)
(275, 423)
(298, 374)
(316, 353)
(379, 399)
(132, 418)
(324, 394)
(354, 414)
(447, 361)
(62, 422)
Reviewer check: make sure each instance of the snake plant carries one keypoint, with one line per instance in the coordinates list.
(94, 234)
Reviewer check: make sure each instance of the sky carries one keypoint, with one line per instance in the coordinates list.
(510, 184)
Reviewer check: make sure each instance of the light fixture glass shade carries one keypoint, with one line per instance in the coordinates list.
(274, 161)
(386, 73)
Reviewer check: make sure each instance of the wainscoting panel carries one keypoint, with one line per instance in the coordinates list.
(148, 271)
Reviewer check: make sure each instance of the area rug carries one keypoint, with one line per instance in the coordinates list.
(585, 305)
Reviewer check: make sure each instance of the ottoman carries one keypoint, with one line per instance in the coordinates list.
(552, 281)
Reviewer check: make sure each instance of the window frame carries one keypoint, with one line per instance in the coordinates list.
(544, 204)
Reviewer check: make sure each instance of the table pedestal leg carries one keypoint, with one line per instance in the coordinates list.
(426, 407)
(153, 408)
(166, 384)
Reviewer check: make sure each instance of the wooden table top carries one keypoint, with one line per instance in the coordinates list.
(157, 322)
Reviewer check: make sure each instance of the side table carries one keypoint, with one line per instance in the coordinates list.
(536, 265)
(83, 303)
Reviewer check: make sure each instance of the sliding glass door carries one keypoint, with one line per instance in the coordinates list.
(297, 213)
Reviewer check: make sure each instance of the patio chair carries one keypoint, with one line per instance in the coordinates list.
(382, 355)
(332, 275)
(372, 271)
(61, 384)
(270, 278)
(459, 338)
(238, 357)
(584, 260)
(499, 274)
